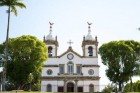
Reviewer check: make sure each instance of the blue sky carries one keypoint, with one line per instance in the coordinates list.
(112, 20)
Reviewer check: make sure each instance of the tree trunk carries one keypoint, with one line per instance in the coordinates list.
(131, 84)
(7, 37)
(6, 49)
(120, 86)
(20, 86)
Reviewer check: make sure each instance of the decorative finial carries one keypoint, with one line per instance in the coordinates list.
(70, 42)
(89, 27)
(51, 26)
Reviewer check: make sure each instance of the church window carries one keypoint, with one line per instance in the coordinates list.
(49, 88)
(61, 69)
(90, 71)
(78, 69)
(50, 51)
(91, 88)
(90, 51)
(49, 72)
(70, 68)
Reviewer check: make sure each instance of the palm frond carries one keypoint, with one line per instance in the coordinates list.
(14, 10)
(20, 4)
(12, 4)
(3, 3)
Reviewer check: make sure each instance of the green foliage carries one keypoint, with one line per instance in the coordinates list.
(26, 55)
(108, 89)
(120, 57)
(136, 87)
(127, 87)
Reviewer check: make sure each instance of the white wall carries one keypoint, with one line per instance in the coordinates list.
(84, 84)
(54, 69)
(86, 69)
(76, 60)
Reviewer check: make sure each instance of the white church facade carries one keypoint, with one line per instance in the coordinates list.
(70, 71)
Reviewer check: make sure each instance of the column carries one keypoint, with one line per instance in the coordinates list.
(65, 85)
(75, 89)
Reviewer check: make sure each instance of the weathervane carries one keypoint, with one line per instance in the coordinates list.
(51, 26)
(89, 27)
(70, 42)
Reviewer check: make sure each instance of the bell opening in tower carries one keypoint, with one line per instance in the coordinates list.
(50, 51)
(90, 51)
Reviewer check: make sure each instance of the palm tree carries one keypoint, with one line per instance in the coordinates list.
(11, 4)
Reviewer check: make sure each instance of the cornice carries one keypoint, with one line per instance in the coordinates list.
(90, 66)
(70, 78)
(51, 66)
(51, 42)
(89, 42)
(82, 66)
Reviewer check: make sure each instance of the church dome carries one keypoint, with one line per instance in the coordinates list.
(49, 37)
(89, 37)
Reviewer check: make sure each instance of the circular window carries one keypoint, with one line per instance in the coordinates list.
(70, 56)
(90, 71)
(49, 71)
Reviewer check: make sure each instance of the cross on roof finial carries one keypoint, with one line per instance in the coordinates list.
(70, 42)
(51, 26)
(89, 27)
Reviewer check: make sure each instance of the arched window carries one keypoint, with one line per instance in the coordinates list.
(91, 88)
(50, 51)
(90, 51)
(70, 68)
(49, 88)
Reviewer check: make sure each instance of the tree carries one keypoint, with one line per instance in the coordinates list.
(136, 58)
(120, 58)
(11, 4)
(26, 55)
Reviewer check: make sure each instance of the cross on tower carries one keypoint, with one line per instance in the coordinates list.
(70, 42)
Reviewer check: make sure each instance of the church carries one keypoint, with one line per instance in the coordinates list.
(70, 71)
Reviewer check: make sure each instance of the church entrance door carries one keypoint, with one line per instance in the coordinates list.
(70, 87)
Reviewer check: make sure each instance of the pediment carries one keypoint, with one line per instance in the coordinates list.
(70, 50)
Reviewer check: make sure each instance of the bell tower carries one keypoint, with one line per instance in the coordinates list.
(90, 44)
(51, 43)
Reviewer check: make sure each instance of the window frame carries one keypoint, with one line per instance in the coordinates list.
(49, 88)
(91, 88)
(61, 66)
(80, 69)
(70, 68)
